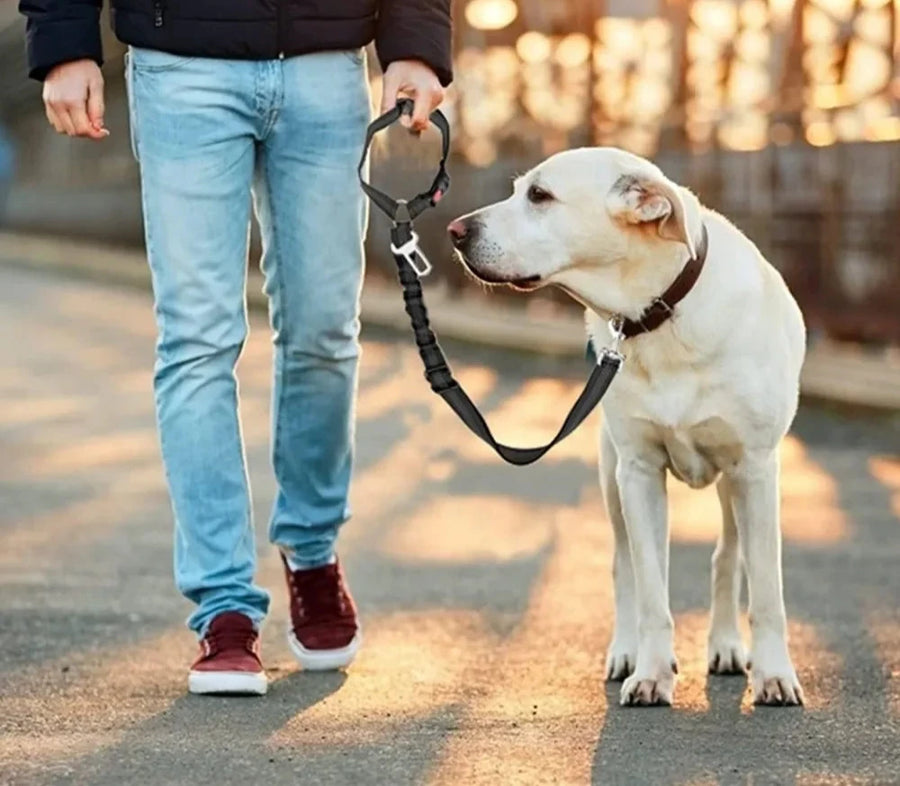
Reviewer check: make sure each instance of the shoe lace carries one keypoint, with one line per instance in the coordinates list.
(319, 594)
(231, 639)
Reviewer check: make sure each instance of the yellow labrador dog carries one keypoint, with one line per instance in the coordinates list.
(707, 393)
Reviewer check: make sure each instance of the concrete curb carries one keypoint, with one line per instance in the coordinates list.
(845, 374)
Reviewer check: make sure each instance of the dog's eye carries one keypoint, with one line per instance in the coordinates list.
(536, 195)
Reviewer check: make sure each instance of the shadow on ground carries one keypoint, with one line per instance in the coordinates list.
(484, 589)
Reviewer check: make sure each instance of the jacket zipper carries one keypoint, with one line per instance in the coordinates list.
(279, 33)
(158, 9)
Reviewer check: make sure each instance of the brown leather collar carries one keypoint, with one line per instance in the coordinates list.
(663, 307)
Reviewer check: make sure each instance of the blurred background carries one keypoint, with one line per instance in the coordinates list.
(782, 114)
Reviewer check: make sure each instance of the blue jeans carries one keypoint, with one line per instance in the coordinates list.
(207, 134)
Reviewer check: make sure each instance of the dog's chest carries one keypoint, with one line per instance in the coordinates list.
(698, 454)
(689, 416)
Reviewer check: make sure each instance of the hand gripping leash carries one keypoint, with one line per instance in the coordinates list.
(413, 264)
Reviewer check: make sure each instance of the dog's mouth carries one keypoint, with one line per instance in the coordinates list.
(528, 284)
(524, 284)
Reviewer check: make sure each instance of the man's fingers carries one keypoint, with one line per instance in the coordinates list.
(80, 121)
(95, 107)
(73, 96)
(54, 120)
(413, 79)
(62, 114)
(428, 99)
(71, 118)
(421, 111)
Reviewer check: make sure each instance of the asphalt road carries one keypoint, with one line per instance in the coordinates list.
(484, 589)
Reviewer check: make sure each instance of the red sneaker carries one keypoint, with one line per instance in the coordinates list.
(324, 633)
(229, 658)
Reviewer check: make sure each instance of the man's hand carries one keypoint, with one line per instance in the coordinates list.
(416, 80)
(73, 98)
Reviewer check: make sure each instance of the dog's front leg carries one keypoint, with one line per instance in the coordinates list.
(754, 491)
(642, 488)
(622, 653)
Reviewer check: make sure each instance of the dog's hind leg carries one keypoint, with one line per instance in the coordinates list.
(754, 490)
(622, 652)
(726, 650)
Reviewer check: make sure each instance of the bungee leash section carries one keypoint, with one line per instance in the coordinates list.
(413, 264)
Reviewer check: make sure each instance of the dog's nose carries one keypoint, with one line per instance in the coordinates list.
(457, 230)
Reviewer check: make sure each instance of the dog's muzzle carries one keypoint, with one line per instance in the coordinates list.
(464, 234)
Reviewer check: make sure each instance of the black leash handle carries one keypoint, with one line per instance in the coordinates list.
(404, 246)
(394, 208)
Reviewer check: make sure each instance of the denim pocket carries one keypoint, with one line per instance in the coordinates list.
(357, 55)
(157, 60)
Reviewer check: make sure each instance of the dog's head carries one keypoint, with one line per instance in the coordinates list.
(605, 225)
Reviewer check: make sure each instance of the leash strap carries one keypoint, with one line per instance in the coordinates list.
(411, 264)
(399, 210)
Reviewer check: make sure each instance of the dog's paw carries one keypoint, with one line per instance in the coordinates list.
(773, 678)
(726, 653)
(621, 658)
(648, 689)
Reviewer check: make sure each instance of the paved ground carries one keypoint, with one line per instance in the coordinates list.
(484, 589)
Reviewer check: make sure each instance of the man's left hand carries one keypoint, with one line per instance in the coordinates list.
(414, 79)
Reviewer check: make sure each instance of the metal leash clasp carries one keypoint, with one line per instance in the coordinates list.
(413, 255)
(615, 327)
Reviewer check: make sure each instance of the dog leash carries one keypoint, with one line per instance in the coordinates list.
(412, 265)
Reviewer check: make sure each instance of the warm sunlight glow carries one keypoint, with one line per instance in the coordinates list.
(820, 134)
(491, 14)
(885, 632)
(747, 133)
(886, 470)
(781, 9)
(810, 512)
(474, 528)
(717, 17)
(754, 14)
(573, 50)
(561, 622)
(885, 129)
(849, 60)
(533, 47)
(838, 9)
(633, 69)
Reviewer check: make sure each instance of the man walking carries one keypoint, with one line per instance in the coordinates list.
(227, 99)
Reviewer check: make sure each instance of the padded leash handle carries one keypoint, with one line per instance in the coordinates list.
(401, 210)
(412, 265)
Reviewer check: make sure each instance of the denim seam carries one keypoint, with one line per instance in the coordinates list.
(278, 298)
(248, 513)
(148, 226)
(132, 105)
(273, 110)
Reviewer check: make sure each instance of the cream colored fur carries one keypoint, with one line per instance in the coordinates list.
(707, 396)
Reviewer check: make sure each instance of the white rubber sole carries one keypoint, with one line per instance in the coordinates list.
(233, 682)
(324, 660)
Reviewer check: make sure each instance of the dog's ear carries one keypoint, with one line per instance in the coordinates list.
(640, 199)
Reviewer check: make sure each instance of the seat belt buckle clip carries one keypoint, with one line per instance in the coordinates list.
(413, 255)
(616, 329)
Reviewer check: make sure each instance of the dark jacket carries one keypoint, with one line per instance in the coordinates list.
(59, 31)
